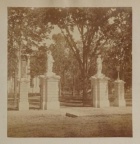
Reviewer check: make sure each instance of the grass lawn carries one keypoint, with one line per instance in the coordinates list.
(42, 124)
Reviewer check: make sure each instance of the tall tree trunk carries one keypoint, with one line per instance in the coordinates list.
(63, 81)
(73, 87)
(15, 88)
(84, 77)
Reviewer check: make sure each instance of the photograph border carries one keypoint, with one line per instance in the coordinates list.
(135, 67)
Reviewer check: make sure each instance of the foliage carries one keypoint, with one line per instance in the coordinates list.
(25, 31)
(38, 62)
(119, 53)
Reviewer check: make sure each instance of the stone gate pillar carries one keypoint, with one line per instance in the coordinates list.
(50, 92)
(24, 85)
(99, 92)
(119, 93)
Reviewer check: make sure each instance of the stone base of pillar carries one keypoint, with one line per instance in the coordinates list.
(119, 103)
(42, 105)
(15, 103)
(23, 106)
(23, 100)
(104, 103)
(101, 103)
(52, 105)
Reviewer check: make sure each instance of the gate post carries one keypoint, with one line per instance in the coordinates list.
(24, 85)
(50, 92)
(119, 93)
(99, 92)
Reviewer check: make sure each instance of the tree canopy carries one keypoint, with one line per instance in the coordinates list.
(25, 32)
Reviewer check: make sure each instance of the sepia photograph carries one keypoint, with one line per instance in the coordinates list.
(69, 72)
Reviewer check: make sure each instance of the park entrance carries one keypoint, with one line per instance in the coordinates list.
(44, 92)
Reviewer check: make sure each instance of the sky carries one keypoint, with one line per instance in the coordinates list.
(56, 30)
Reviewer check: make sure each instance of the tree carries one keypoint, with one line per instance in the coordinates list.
(38, 62)
(25, 31)
(119, 32)
(65, 63)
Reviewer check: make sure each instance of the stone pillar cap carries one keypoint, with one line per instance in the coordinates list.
(119, 81)
(41, 76)
(53, 76)
(99, 77)
(50, 75)
(24, 80)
